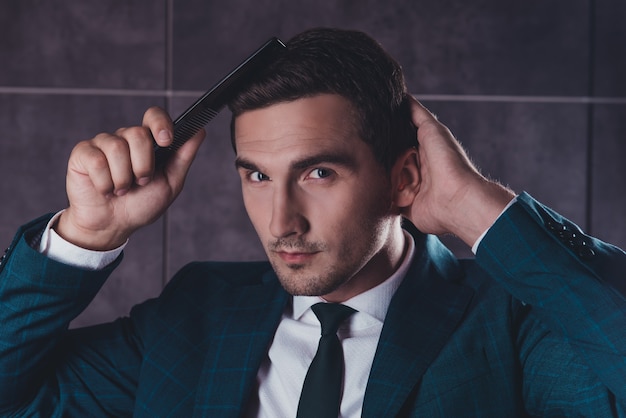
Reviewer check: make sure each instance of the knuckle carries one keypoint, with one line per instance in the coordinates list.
(133, 134)
(154, 109)
(87, 151)
(120, 131)
(153, 113)
(135, 131)
(116, 145)
(98, 161)
(81, 146)
(155, 116)
(140, 134)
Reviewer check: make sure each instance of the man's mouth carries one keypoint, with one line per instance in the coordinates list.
(295, 257)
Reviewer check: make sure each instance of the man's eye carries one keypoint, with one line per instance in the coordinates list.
(320, 173)
(257, 176)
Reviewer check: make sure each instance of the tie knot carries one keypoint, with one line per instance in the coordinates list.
(331, 315)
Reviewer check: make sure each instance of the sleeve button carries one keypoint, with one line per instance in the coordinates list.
(554, 226)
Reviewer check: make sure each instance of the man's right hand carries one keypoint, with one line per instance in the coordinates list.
(113, 186)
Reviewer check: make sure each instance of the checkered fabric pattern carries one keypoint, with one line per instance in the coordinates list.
(535, 326)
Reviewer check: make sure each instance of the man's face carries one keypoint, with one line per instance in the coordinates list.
(318, 199)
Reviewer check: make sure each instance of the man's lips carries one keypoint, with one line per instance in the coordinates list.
(293, 257)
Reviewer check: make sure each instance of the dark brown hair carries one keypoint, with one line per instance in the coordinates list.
(347, 63)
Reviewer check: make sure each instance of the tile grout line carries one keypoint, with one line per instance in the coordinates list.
(71, 91)
(523, 99)
(590, 117)
(169, 82)
(169, 93)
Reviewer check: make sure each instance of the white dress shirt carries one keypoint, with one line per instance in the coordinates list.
(58, 249)
(281, 375)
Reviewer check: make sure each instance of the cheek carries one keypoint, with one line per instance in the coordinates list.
(257, 211)
(349, 220)
(368, 218)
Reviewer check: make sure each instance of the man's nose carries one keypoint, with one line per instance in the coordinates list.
(287, 214)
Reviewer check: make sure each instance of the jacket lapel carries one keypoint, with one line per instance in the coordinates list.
(423, 314)
(244, 332)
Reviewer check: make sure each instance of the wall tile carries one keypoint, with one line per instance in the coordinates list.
(608, 203)
(33, 156)
(610, 48)
(484, 47)
(535, 147)
(447, 47)
(40, 131)
(96, 44)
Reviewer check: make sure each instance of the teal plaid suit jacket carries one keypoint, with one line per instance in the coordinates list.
(534, 326)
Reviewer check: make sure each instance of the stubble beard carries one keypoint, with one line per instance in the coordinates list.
(329, 270)
(304, 279)
(297, 281)
(332, 268)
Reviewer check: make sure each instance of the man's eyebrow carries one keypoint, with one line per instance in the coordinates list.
(343, 159)
(245, 164)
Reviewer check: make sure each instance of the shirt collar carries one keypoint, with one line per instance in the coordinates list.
(374, 301)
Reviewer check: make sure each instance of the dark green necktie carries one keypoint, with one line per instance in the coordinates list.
(321, 392)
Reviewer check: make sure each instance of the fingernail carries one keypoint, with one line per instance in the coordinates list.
(164, 136)
(121, 192)
(143, 181)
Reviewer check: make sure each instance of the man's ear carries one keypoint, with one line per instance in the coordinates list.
(405, 179)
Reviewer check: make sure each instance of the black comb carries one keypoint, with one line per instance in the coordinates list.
(208, 106)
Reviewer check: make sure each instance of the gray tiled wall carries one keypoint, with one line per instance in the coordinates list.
(535, 90)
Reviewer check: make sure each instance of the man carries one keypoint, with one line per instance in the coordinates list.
(329, 166)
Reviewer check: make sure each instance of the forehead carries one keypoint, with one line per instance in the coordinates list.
(322, 121)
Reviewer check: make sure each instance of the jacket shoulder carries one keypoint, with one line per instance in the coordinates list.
(212, 279)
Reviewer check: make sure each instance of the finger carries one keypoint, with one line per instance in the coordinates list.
(89, 160)
(117, 153)
(419, 114)
(180, 162)
(159, 123)
(141, 151)
(430, 129)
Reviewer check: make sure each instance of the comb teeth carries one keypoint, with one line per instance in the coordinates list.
(183, 130)
(191, 126)
(209, 104)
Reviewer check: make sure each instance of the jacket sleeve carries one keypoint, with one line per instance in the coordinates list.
(43, 370)
(575, 284)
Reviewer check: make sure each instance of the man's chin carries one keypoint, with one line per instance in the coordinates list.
(295, 266)
(302, 279)
(306, 285)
